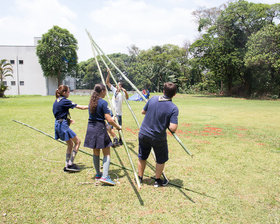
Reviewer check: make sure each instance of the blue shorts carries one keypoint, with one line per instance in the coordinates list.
(63, 131)
(159, 145)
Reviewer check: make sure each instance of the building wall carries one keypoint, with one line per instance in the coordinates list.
(28, 78)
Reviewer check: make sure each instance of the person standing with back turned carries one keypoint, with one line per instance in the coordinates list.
(160, 113)
(97, 137)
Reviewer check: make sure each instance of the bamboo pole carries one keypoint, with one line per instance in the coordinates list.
(120, 131)
(133, 114)
(123, 167)
(58, 140)
(135, 88)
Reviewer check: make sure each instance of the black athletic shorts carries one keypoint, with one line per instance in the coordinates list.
(159, 145)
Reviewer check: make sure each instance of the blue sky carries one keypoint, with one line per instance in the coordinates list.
(114, 24)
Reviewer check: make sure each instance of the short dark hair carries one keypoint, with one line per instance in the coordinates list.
(169, 89)
(120, 83)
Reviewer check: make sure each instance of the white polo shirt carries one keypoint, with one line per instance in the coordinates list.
(117, 101)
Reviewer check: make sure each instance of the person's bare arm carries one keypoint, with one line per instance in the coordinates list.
(108, 79)
(173, 127)
(143, 112)
(125, 92)
(81, 107)
(112, 122)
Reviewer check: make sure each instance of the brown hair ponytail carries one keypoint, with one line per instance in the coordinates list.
(61, 90)
(98, 88)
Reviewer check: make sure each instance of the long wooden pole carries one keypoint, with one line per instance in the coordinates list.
(135, 88)
(133, 114)
(120, 131)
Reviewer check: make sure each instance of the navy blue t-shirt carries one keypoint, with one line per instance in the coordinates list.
(61, 107)
(159, 115)
(101, 110)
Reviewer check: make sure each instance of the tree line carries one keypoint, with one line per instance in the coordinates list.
(237, 53)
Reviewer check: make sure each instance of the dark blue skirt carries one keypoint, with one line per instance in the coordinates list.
(97, 136)
(63, 131)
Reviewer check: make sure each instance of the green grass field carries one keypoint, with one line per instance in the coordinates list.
(234, 176)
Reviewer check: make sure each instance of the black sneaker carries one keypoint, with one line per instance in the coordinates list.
(72, 168)
(140, 179)
(160, 183)
(115, 143)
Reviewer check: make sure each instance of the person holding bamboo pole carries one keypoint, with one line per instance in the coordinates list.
(160, 113)
(61, 108)
(97, 137)
(117, 99)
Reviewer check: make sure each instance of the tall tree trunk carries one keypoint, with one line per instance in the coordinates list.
(248, 82)
(229, 84)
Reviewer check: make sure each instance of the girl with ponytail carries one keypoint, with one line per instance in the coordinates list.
(97, 137)
(61, 108)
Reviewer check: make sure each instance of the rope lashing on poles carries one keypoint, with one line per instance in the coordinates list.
(136, 89)
(133, 114)
(120, 131)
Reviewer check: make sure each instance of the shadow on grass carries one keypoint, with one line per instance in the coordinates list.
(81, 168)
(179, 184)
(129, 179)
(130, 147)
(150, 180)
(174, 183)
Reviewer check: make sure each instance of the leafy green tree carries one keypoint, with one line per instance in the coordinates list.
(206, 18)
(57, 53)
(6, 70)
(263, 57)
(158, 65)
(223, 47)
(88, 74)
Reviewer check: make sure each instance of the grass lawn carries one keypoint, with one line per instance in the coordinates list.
(234, 176)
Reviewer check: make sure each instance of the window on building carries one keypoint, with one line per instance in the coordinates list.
(21, 83)
(20, 62)
(13, 83)
(5, 83)
(12, 62)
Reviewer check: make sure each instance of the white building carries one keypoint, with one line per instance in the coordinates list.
(28, 78)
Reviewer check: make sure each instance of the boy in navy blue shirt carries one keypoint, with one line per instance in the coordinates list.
(160, 113)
